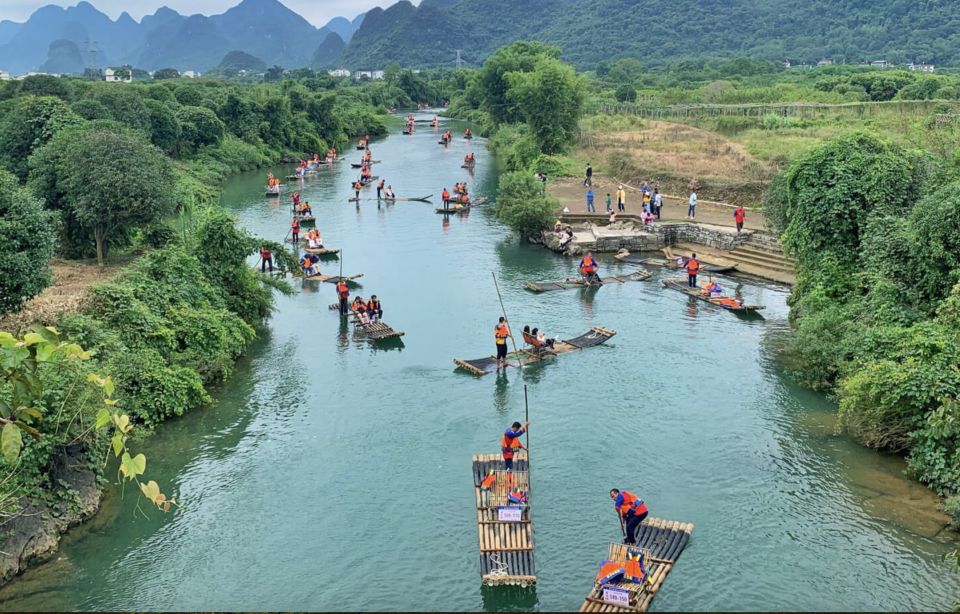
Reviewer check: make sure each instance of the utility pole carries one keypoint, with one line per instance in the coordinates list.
(459, 59)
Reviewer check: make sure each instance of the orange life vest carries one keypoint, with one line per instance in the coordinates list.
(693, 266)
(445, 195)
(628, 501)
(501, 333)
(588, 266)
(508, 445)
(342, 290)
(739, 214)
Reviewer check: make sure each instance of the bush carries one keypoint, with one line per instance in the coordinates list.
(522, 206)
(27, 234)
(952, 507)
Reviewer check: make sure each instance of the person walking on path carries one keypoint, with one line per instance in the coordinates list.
(590, 207)
(657, 201)
(693, 267)
(510, 443)
(621, 199)
(588, 180)
(692, 207)
(608, 202)
(739, 216)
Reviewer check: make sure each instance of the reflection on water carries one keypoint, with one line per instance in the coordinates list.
(330, 465)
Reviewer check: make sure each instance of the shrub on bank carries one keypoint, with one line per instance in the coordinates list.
(522, 204)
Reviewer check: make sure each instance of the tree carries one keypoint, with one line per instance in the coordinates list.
(27, 233)
(550, 100)
(521, 56)
(45, 85)
(107, 191)
(166, 73)
(164, 128)
(31, 123)
(626, 93)
(200, 127)
(274, 73)
(521, 204)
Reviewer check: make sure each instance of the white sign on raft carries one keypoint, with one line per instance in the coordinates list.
(615, 595)
(509, 514)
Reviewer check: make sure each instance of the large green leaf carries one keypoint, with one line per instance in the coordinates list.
(11, 442)
(131, 467)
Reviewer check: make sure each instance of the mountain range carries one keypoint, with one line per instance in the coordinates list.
(588, 32)
(58, 40)
(661, 31)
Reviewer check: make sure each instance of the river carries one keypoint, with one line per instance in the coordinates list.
(333, 475)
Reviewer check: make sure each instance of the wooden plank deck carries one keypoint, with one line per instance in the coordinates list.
(506, 546)
(662, 542)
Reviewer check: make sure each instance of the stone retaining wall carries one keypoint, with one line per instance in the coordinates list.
(632, 235)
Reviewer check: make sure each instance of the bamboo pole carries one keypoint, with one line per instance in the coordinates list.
(504, 311)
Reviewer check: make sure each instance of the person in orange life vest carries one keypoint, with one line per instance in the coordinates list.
(693, 267)
(500, 334)
(380, 188)
(343, 293)
(510, 442)
(588, 267)
(632, 510)
(374, 309)
(445, 195)
(266, 259)
(739, 216)
(295, 230)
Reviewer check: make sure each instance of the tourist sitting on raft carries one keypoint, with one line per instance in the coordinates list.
(302, 210)
(713, 289)
(310, 264)
(469, 159)
(467, 134)
(314, 239)
(359, 309)
(537, 339)
(436, 121)
(388, 193)
(374, 309)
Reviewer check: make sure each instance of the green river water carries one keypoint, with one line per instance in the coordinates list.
(334, 475)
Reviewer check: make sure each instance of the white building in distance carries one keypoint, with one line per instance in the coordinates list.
(339, 72)
(375, 75)
(110, 75)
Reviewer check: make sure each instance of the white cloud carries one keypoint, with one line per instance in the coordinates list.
(317, 12)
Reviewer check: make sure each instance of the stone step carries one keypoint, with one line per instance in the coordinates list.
(769, 262)
(752, 252)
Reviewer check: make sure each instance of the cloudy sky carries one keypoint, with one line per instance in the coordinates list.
(317, 12)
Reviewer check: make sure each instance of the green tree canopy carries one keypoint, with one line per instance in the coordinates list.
(107, 180)
(30, 123)
(550, 99)
(27, 233)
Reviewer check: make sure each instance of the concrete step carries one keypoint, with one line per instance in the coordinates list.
(750, 252)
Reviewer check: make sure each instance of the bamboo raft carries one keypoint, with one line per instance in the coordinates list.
(640, 275)
(527, 356)
(307, 220)
(504, 529)
(372, 162)
(671, 264)
(727, 303)
(331, 279)
(376, 331)
(321, 251)
(661, 542)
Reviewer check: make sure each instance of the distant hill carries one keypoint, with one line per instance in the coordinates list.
(265, 29)
(328, 52)
(241, 60)
(661, 31)
(64, 57)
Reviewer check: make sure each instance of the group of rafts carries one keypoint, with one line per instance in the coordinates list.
(366, 314)
(537, 348)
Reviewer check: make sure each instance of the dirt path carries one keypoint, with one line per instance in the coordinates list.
(572, 194)
(71, 281)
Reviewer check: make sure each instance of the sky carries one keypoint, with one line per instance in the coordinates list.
(317, 12)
